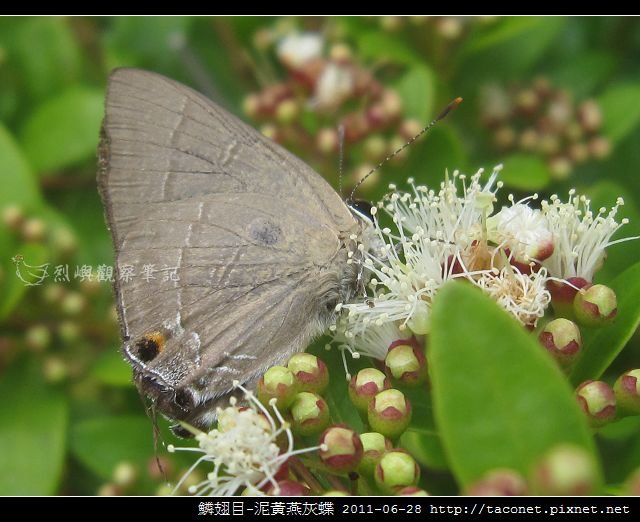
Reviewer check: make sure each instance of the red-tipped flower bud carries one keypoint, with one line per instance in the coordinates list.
(597, 401)
(389, 413)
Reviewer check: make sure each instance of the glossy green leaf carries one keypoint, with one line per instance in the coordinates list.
(417, 90)
(524, 172)
(102, 443)
(621, 110)
(607, 342)
(33, 420)
(111, 369)
(64, 130)
(493, 383)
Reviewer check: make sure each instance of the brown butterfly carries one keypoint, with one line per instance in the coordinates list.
(244, 247)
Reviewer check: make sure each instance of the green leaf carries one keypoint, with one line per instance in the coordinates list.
(422, 439)
(584, 72)
(381, 47)
(102, 443)
(417, 90)
(621, 110)
(508, 48)
(524, 172)
(19, 188)
(607, 342)
(499, 399)
(33, 417)
(148, 41)
(63, 130)
(111, 369)
(45, 52)
(19, 185)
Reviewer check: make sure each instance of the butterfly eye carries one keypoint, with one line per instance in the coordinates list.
(361, 208)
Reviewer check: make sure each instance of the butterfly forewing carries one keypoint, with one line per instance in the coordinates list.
(230, 251)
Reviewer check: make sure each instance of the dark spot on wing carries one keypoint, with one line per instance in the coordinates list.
(149, 346)
(264, 231)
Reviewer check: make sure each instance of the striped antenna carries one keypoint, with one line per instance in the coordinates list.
(452, 105)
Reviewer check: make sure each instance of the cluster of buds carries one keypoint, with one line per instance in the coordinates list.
(602, 403)
(540, 119)
(62, 299)
(447, 28)
(282, 439)
(523, 257)
(325, 91)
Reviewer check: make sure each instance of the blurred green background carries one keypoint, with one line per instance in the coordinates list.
(556, 100)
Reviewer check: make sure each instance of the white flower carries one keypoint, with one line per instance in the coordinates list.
(579, 236)
(242, 449)
(297, 49)
(524, 231)
(436, 237)
(335, 84)
(525, 296)
(363, 338)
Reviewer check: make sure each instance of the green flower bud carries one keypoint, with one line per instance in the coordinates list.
(406, 362)
(335, 493)
(597, 400)
(287, 111)
(565, 470)
(73, 303)
(365, 385)
(627, 391)
(55, 369)
(499, 482)
(374, 445)
(124, 474)
(341, 448)
(13, 217)
(108, 490)
(595, 305)
(310, 372)
(37, 338)
(562, 340)
(396, 470)
(309, 414)
(33, 229)
(389, 413)
(277, 383)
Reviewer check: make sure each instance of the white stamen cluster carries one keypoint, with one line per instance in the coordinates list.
(454, 234)
(580, 236)
(242, 449)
